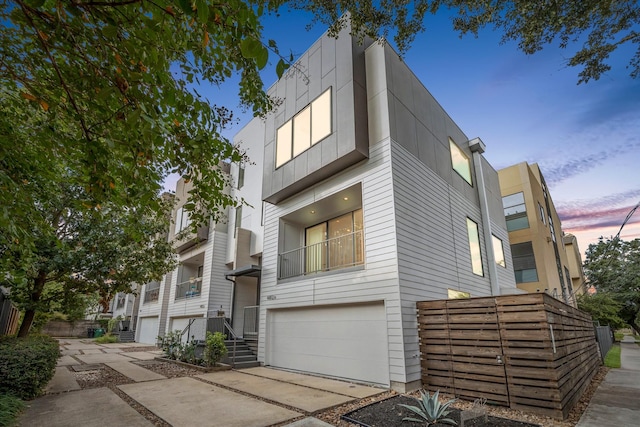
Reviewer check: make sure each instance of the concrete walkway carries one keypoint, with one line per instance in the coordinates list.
(616, 402)
(254, 397)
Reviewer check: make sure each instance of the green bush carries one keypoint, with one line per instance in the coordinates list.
(171, 344)
(106, 338)
(214, 349)
(10, 408)
(27, 365)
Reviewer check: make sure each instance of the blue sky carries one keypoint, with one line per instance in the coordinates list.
(586, 138)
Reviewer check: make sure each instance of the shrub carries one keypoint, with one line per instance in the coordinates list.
(214, 349)
(27, 365)
(10, 407)
(106, 338)
(171, 344)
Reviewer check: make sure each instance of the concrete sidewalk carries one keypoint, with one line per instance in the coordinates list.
(617, 399)
(256, 398)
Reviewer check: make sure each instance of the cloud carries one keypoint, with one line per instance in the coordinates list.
(573, 166)
(608, 211)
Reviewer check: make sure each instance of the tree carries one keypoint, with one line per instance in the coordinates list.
(77, 252)
(112, 86)
(603, 308)
(599, 26)
(613, 267)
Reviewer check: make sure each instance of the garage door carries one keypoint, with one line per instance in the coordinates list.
(342, 341)
(148, 330)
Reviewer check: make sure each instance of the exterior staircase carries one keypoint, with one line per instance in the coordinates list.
(243, 357)
(126, 336)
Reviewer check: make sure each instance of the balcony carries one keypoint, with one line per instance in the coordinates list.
(189, 289)
(151, 295)
(191, 239)
(333, 254)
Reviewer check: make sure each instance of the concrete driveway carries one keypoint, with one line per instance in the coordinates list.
(248, 398)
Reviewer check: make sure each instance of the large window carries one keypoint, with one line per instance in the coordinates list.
(460, 162)
(335, 244)
(474, 247)
(498, 251)
(308, 127)
(515, 212)
(524, 262)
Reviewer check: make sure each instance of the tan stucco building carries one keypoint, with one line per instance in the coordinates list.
(540, 257)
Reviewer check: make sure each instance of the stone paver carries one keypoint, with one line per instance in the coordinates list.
(112, 350)
(81, 408)
(135, 372)
(341, 387)
(63, 380)
(102, 358)
(140, 355)
(67, 361)
(92, 351)
(83, 368)
(309, 422)
(189, 402)
(304, 398)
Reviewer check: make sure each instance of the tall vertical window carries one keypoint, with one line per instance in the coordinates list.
(306, 128)
(474, 247)
(240, 178)
(182, 220)
(542, 215)
(460, 162)
(524, 262)
(498, 251)
(515, 211)
(238, 222)
(551, 229)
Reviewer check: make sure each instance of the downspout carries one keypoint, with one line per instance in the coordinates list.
(477, 147)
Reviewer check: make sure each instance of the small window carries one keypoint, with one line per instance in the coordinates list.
(498, 251)
(474, 248)
(542, 215)
(454, 294)
(524, 262)
(240, 178)
(515, 212)
(238, 222)
(551, 229)
(460, 162)
(306, 128)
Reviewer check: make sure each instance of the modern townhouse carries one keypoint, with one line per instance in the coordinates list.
(574, 257)
(375, 199)
(540, 258)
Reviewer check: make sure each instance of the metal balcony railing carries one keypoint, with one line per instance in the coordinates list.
(151, 295)
(250, 324)
(189, 289)
(333, 254)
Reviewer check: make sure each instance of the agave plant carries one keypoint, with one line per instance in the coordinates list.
(430, 410)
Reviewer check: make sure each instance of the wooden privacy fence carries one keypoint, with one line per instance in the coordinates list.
(9, 316)
(529, 352)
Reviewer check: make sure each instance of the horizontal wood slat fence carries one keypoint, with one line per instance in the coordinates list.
(529, 352)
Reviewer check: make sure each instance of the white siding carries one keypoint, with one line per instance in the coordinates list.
(378, 281)
(219, 288)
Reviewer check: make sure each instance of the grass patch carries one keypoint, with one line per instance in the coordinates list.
(612, 359)
(10, 408)
(618, 336)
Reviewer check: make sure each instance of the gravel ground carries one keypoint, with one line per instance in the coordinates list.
(107, 377)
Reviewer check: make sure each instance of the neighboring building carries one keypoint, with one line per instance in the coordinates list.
(578, 279)
(202, 286)
(539, 256)
(376, 200)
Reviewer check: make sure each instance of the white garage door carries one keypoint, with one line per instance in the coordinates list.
(148, 330)
(342, 341)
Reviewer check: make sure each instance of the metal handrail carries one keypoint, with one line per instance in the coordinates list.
(235, 341)
(187, 329)
(318, 256)
(194, 286)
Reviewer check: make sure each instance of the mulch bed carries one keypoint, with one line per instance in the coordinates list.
(388, 413)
